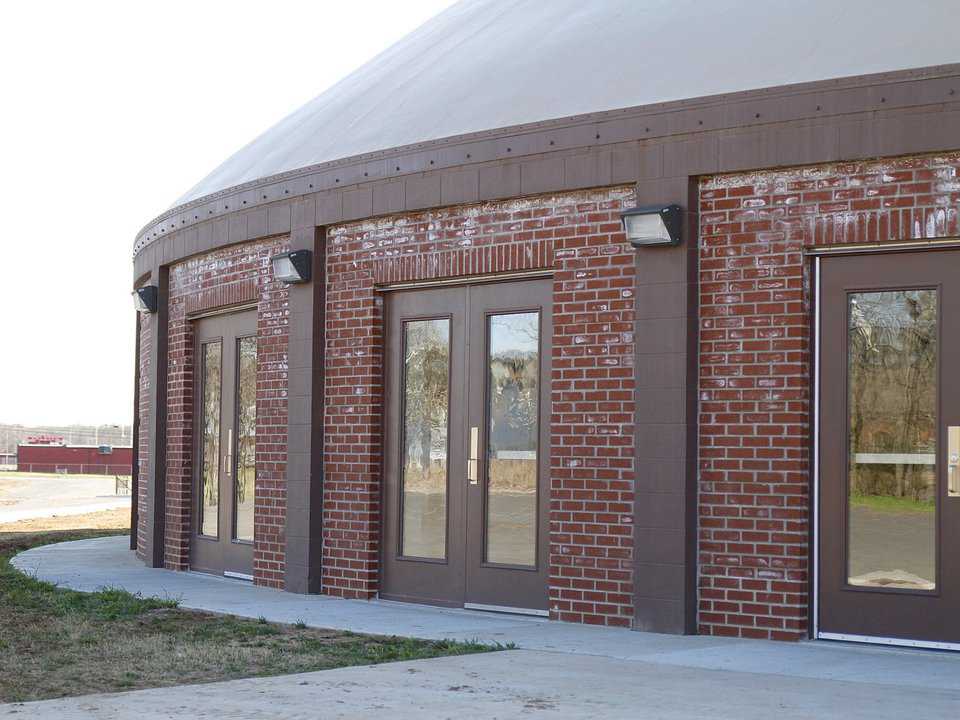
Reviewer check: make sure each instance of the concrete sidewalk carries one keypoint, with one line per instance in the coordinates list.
(513, 684)
(561, 670)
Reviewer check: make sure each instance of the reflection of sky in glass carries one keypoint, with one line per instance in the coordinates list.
(882, 317)
(514, 333)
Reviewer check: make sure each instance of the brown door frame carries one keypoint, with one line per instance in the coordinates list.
(457, 537)
(816, 491)
(230, 556)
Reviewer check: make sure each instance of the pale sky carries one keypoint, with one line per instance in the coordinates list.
(130, 104)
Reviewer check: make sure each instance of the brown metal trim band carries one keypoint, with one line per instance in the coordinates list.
(466, 280)
(882, 247)
(222, 311)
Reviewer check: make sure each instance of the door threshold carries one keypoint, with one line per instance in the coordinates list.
(237, 575)
(506, 609)
(895, 642)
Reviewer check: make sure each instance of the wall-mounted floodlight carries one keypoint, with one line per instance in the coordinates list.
(652, 225)
(145, 299)
(293, 266)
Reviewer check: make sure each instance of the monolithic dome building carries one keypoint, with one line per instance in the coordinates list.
(630, 312)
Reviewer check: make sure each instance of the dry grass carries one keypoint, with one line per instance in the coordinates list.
(57, 643)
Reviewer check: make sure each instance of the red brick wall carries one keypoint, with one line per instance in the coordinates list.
(577, 234)
(238, 274)
(74, 459)
(755, 299)
(143, 439)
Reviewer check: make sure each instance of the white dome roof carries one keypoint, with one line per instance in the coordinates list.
(488, 64)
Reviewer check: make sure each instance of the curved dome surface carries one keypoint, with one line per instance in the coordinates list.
(488, 64)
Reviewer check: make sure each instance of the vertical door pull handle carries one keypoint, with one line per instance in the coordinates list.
(229, 458)
(472, 461)
(953, 461)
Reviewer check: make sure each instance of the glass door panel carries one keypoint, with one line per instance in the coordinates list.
(426, 391)
(210, 439)
(513, 393)
(892, 435)
(245, 471)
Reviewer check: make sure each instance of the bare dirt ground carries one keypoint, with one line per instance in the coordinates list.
(116, 519)
(25, 496)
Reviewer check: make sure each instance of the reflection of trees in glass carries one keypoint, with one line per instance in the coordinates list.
(210, 450)
(514, 377)
(426, 396)
(246, 436)
(892, 366)
(426, 372)
(513, 401)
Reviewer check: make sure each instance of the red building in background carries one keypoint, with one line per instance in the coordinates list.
(49, 454)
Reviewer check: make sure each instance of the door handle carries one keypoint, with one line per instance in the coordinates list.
(953, 461)
(472, 461)
(228, 458)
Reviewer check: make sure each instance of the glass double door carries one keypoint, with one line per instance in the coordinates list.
(224, 456)
(889, 548)
(466, 445)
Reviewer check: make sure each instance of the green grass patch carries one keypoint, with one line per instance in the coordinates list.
(888, 503)
(56, 642)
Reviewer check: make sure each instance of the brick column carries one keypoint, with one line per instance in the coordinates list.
(353, 421)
